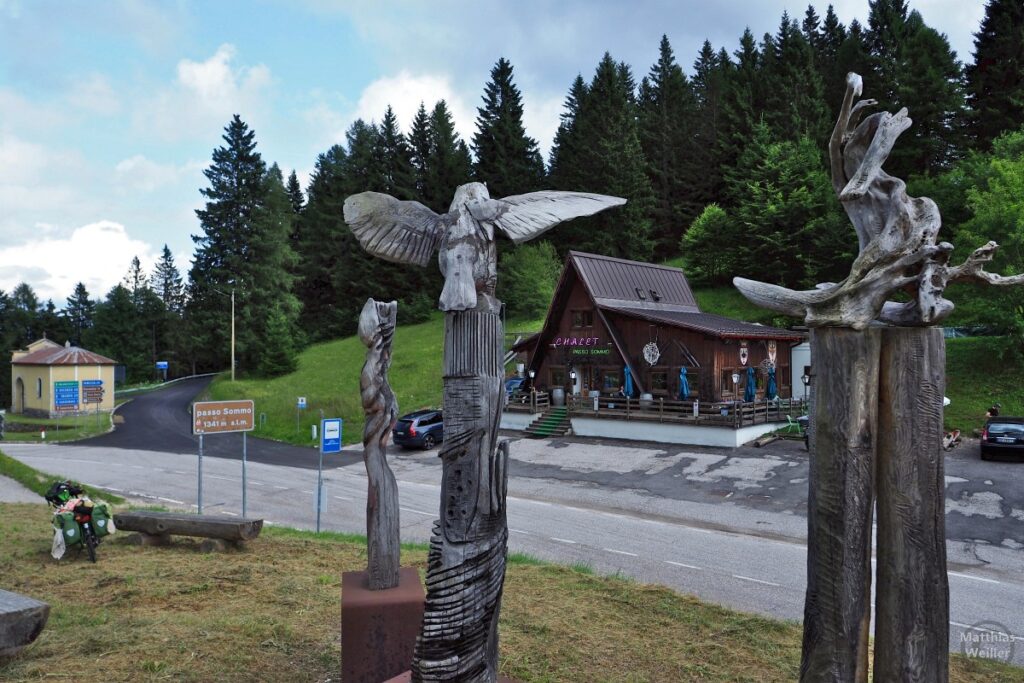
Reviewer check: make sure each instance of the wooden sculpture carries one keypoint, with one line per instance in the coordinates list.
(876, 422)
(376, 330)
(466, 566)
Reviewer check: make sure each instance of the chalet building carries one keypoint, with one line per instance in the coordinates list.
(50, 380)
(610, 318)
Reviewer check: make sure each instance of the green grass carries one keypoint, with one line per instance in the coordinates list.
(38, 482)
(328, 376)
(68, 428)
(978, 374)
(728, 302)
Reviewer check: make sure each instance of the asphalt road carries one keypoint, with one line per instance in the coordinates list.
(725, 525)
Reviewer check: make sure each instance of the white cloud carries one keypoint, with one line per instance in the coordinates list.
(95, 94)
(541, 119)
(205, 95)
(97, 254)
(139, 173)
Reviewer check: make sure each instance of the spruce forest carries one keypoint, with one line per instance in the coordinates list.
(721, 158)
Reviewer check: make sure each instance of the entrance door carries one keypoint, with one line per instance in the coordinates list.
(19, 396)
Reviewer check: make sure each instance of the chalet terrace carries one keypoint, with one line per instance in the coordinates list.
(620, 328)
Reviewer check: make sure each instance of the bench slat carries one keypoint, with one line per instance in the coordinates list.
(204, 526)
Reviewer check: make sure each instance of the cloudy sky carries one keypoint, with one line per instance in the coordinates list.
(110, 110)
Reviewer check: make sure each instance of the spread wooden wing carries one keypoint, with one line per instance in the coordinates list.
(402, 232)
(524, 216)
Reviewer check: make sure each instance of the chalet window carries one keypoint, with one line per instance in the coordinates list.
(582, 318)
(693, 379)
(640, 294)
(655, 295)
(612, 380)
(727, 385)
(557, 377)
(39, 388)
(659, 381)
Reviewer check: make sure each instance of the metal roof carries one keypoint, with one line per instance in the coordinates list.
(62, 355)
(709, 323)
(617, 282)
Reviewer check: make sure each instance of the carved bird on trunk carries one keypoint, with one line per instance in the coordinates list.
(409, 232)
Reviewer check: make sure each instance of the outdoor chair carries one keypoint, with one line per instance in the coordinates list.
(792, 426)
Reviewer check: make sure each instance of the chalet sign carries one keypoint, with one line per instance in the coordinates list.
(214, 417)
(582, 346)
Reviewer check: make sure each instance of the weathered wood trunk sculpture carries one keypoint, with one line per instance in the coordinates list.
(466, 566)
(376, 330)
(877, 419)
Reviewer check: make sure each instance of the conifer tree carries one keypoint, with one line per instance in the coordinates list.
(394, 158)
(995, 80)
(830, 68)
(793, 102)
(419, 148)
(507, 159)
(166, 282)
(667, 120)
(295, 193)
(603, 154)
(448, 162)
(79, 311)
(135, 280)
(711, 73)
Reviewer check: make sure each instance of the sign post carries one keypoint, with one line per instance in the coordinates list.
(218, 417)
(300, 405)
(92, 392)
(330, 442)
(162, 365)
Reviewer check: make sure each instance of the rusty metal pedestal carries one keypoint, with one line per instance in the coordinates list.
(379, 628)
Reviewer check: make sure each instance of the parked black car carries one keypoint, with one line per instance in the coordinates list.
(422, 429)
(1003, 437)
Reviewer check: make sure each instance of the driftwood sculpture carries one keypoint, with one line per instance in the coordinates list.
(376, 330)
(876, 422)
(466, 566)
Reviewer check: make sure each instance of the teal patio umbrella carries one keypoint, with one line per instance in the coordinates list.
(684, 385)
(750, 393)
(771, 390)
(629, 383)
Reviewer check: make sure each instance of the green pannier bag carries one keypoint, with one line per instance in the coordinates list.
(65, 521)
(101, 520)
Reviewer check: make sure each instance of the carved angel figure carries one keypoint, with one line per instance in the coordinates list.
(408, 232)
(896, 234)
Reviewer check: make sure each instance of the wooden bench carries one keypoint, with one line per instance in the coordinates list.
(156, 528)
(21, 621)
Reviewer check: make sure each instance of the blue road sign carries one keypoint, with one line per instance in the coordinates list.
(161, 365)
(302, 402)
(65, 394)
(92, 383)
(330, 435)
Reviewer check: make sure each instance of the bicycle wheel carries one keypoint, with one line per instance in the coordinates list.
(90, 543)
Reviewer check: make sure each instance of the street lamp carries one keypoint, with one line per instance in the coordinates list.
(232, 295)
(806, 379)
(532, 373)
(572, 380)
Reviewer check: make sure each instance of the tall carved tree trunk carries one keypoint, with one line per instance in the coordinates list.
(837, 610)
(376, 330)
(912, 626)
(466, 565)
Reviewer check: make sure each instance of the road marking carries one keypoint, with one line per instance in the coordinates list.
(974, 578)
(418, 512)
(612, 515)
(226, 512)
(305, 491)
(699, 530)
(214, 476)
(540, 502)
(111, 488)
(563, 540)
(619, 552)
(181, 472)
(680, 564)
(518, 531)
(345, 498)
(748, 578)
(171, 500)
(137, 467)
(256, 483)
(283, 488)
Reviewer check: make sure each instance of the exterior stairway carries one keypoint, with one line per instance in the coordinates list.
(554, 422)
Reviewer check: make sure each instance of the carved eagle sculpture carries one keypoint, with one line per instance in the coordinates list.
(409, 232)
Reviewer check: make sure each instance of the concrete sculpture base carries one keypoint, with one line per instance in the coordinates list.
(379, 628)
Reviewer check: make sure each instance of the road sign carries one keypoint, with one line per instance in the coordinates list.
(92, 391)
(65, 395)
(302, 402)
(213, 417)
(161, 365)
(330, 435)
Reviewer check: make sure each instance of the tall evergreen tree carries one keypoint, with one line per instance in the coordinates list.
(603, 154)
(887, 32)
(121, 333)
(995, 80)
(667, 119)
(80, 311)
(830, 67)
(135, 280)
(419, 147)
(711, 73)
(448, 160)
(394, 158)
(794, 95)
(295, 193)
(507, 159)
(166, 282)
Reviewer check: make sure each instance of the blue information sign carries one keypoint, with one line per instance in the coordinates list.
(65, 394)
(330, 435)
(161, 365)
(92, 383)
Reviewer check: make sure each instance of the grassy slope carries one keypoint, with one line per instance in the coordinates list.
(978, 375)
(271, 613)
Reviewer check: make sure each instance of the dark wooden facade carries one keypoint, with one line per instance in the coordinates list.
(606, 311)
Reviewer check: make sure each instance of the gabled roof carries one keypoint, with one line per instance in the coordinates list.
(54, 354)
(617, 282)
(708, 323)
